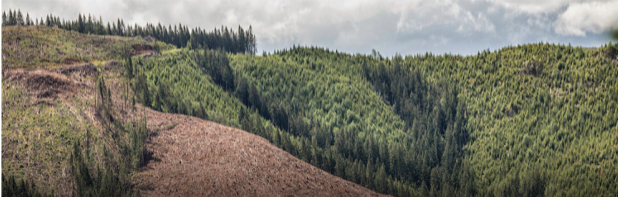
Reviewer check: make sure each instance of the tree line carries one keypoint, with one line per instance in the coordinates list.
(224, 38)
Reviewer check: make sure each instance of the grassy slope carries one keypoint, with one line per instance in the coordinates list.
(38, 132)
(40, 46)
(37, 138)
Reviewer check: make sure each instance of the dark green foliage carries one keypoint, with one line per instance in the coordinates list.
(141, 88)
(249, 95)
(103, 183)
(15, 17)
(433, 114)
(12, 187)
(137, 134)
(224, 39)
(181, 83)
(216, 64)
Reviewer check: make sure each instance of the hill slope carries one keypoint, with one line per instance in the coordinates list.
(195, 157)
(44, 47)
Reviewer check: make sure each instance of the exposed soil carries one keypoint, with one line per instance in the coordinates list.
(81, 70)
(139, 49)
(149, 39)
(43, 83)
(202, 158)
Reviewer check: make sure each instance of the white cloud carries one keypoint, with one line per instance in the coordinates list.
(580, 18)
(536, 6)
(405, 26)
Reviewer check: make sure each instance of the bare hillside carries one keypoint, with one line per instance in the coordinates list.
(195, 157)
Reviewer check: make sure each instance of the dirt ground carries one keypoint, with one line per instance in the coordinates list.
(202, 158)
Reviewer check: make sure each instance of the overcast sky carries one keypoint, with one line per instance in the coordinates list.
(357, 26)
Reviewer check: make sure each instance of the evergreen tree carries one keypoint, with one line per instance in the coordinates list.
(20, 18)
(4, 19)
(28, 22)
(11, 18)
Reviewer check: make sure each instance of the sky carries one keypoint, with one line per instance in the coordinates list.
(358, 26)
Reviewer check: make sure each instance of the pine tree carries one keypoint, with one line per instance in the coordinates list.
(4, 19)
(109, 30)
(80, 23)
(11, 18)
(20, 18)
(28, 19)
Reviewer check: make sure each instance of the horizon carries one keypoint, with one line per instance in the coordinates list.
(392, 27)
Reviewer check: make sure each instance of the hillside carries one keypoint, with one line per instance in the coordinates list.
(40, 47)
(417, 125)
(76, 129)
(194, 157)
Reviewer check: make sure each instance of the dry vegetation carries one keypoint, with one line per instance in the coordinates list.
(195, 157)
(40, 46)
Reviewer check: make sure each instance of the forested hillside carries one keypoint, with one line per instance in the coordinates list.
(537, 119)
(538, 114)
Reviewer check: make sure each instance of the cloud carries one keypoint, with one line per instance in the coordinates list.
(535, 6)
(594, 17)
(390, 26)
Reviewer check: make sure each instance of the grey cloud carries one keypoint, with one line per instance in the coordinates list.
(389, 26)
